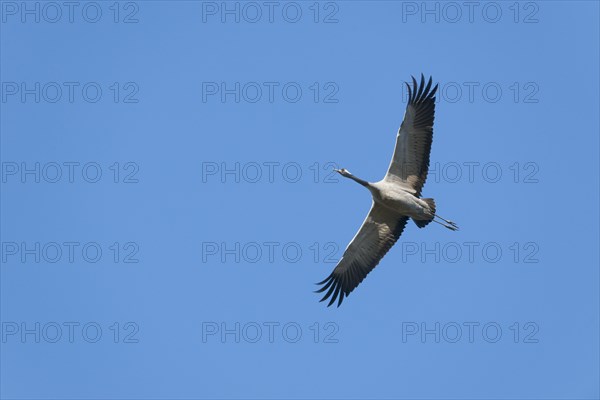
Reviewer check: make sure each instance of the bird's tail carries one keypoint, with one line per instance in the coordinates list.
(422, 223)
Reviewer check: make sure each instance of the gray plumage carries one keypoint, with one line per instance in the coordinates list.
(396, 198)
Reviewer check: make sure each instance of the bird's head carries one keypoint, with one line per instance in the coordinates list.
(343, 172)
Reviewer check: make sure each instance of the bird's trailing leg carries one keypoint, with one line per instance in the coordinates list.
(447, 223)
(451, 227)
(445, 220)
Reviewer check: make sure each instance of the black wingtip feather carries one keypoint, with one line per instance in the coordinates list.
(329, 292)
(335, 290)
(324, 280)
(341, 298)
(435, 88)
(335, 294)
(421, 92)
(409, 92)
(414, 81)
(421, 87)
(326, 285)
(428, 85)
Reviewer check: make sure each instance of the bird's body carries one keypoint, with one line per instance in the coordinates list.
(396, 197)
(393, 197)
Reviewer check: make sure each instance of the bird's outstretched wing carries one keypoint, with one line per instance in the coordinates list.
(410, 163)
(378, 233)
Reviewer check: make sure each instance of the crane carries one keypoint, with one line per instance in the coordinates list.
(396, 198)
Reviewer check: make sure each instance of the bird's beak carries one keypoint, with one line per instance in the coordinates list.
(337, 170)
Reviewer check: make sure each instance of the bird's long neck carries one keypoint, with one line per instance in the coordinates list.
(355, 179)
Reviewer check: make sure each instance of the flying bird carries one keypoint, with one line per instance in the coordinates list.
(396, 198)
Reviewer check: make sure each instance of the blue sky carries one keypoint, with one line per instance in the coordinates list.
(167, 200)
